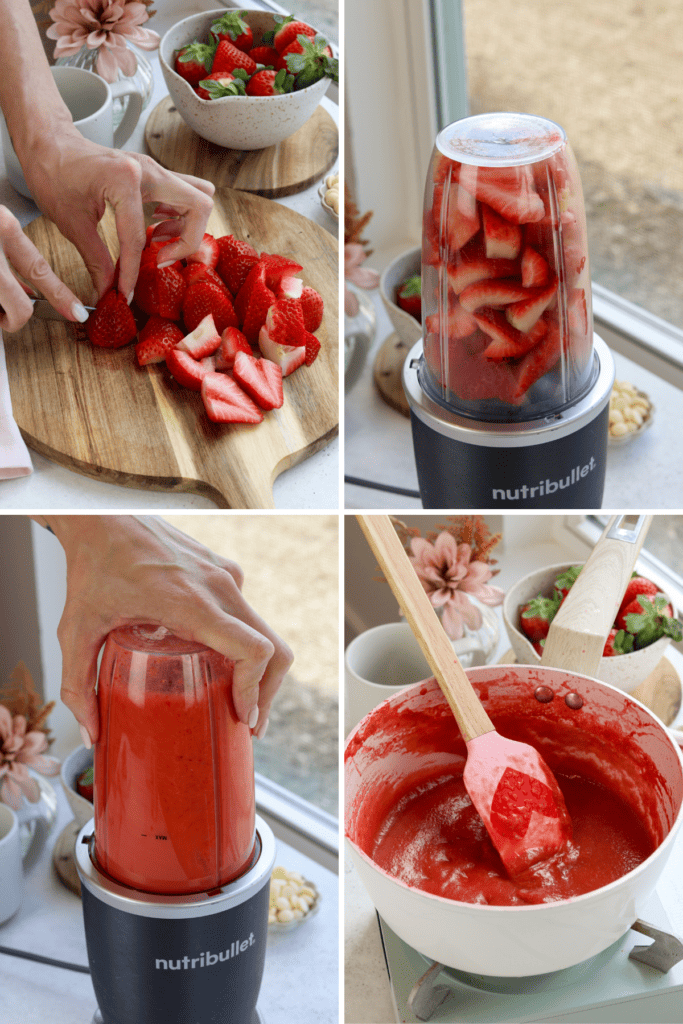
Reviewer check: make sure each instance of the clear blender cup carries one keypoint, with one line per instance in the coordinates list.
(507, 319)
(174, 775)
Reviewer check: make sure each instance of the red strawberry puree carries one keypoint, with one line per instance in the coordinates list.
(174, 782)
(418, 823)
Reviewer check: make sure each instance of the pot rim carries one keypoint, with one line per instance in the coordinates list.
(535, 907)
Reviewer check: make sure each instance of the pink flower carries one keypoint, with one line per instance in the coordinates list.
(448, 576)
(103, 25)
(354, 257)
(19, 749)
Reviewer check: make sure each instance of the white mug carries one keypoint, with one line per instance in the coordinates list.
(91, 104)
(11, 871)
(383, 660)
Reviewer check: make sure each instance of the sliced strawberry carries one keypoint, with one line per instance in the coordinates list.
(312, 347)
(506, 341)
(523, 315)
(261, 379)
(535, 270)
(187, 371)
(261, 298)
(200, 272)
(171, 289)
(228, 57)
(147, 285)
(111, 324)
(278, 267)
(285, 322)
(256, 276)
(207, 253)
(290, 288)
(577, 311)
(509, 190)
(156, 338)
(472, 377)
(502, 239)
(460, 323)
(312, 307)
(232, 342)
(226, 402)
(472, 266)
(460, 219)
(236, 258)
(491, 293)
(202, 298)
(203, 340)
(536, 363)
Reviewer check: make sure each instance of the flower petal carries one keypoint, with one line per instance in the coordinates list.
(451, 619)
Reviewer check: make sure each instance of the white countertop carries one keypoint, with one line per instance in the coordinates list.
(379, 445)
(313, 484)
(300, 979)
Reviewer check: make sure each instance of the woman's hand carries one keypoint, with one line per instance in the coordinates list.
(125, 569)
(18, 253)
(72, 180)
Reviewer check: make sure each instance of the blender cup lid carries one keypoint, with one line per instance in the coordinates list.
(501, 140)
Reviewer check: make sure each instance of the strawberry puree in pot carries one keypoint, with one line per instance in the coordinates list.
(415, 821)
(174, 778)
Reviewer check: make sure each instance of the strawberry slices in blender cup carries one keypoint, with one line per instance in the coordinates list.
(506, 301)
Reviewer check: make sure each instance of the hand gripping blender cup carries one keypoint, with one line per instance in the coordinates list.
(175, 876)
(509, 389)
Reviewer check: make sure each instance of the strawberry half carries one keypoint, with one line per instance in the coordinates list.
(535, 270)
(260, 299)
(278, 267)
(460, 323)
(187, 371)
(203, 298)
(523, 315)
(506, 341)
(510, 191)
(156, 339)
(282, 338)
(226, 402)
(502, 239)
(290, 288)
(312, 346)
(203, 340)
(261, 379)
(111, 324)
(536, 363)
(472, 266)
(200, 272)
(232, 342)
(491, 293)
(228, 58)
(462, 215)
(207, 253)
(312, 307)
(235, 260)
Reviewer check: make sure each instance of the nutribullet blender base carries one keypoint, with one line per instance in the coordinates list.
(557, 461)
(192, 959)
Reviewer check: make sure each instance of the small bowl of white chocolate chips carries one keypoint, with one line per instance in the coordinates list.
(329, 195)
(630, 412)
(292, 900)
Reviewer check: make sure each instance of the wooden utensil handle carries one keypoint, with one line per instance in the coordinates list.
(424, 622)
(578, 632)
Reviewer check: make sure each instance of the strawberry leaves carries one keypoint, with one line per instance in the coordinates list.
(653, 622)
(313, 63)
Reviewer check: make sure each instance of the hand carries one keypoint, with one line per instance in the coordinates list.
(18, 253)
(123, 569)
(72, 179)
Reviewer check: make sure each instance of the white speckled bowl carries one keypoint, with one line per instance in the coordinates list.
(76, 763)
(408, 263)
(625, 671)
(236, 122)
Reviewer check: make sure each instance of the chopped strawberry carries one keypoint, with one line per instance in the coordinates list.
(288, 29)
(408, 297)
(288, 357)
(278, 267)
(228, 58)
(472, 266)
(283, 336)
(291, 288)
(261, 379)
(233, 27)
(235, 260)
(207, 253)
(223, 83)
(170, 290)
(156, 339)
(536, 615)
(194, 61)
(491, 293)
(204, 297)
(226, 402)
(187, 371)
(535, 270)
(203, 340)
(266, 55)
(509, 190)
(260, 299)
(312, 307)
(460, 323)
(506, 341)
(270, 83)
(159, 291)
(637, 585)
(502, 239)
(232, 342)
(312, 347)
(536, 363)
(462, 216)
(200, 272)
(523, 315)
(111, 325)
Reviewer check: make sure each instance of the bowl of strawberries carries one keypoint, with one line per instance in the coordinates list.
(399, 287)
(246, 79)
(644, 626)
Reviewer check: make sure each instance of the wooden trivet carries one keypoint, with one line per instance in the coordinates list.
(280, 170)
(63, 857)
(387, 373)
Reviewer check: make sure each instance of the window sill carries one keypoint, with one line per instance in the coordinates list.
(299, 823)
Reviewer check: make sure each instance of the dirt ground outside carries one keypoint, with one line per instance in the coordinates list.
(611, 74)
(290, 565)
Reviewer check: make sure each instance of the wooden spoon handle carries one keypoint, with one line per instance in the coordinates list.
(425, 624)
(577, 634)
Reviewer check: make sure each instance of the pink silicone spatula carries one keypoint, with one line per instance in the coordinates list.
(508, 782)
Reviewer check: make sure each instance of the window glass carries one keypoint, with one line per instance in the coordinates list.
(321, 14)
(291, 570)
(610, 74)
(664, 540)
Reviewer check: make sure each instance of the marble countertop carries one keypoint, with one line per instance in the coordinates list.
(300, 980)
(379, 446)
(313, 484)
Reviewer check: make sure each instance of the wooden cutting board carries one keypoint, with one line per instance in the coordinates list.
(279, 170)
(97, 412)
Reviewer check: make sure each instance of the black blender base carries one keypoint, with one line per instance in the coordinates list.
(258, 1018)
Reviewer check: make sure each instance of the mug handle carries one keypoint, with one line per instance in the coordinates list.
(133, 110)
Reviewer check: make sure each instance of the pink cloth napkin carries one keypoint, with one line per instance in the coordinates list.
(14, 457)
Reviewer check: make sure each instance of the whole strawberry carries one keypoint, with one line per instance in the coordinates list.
(266, 55)
(651, 620)
(618, 642)
(233, 27)
(309, 60)
(194, 62)
(270, 83)
(286, 31)
(536, 616)
(566, 580)
(228, 58)
(111, 324)
(223, 83)
(637, 585)
(409, 296)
